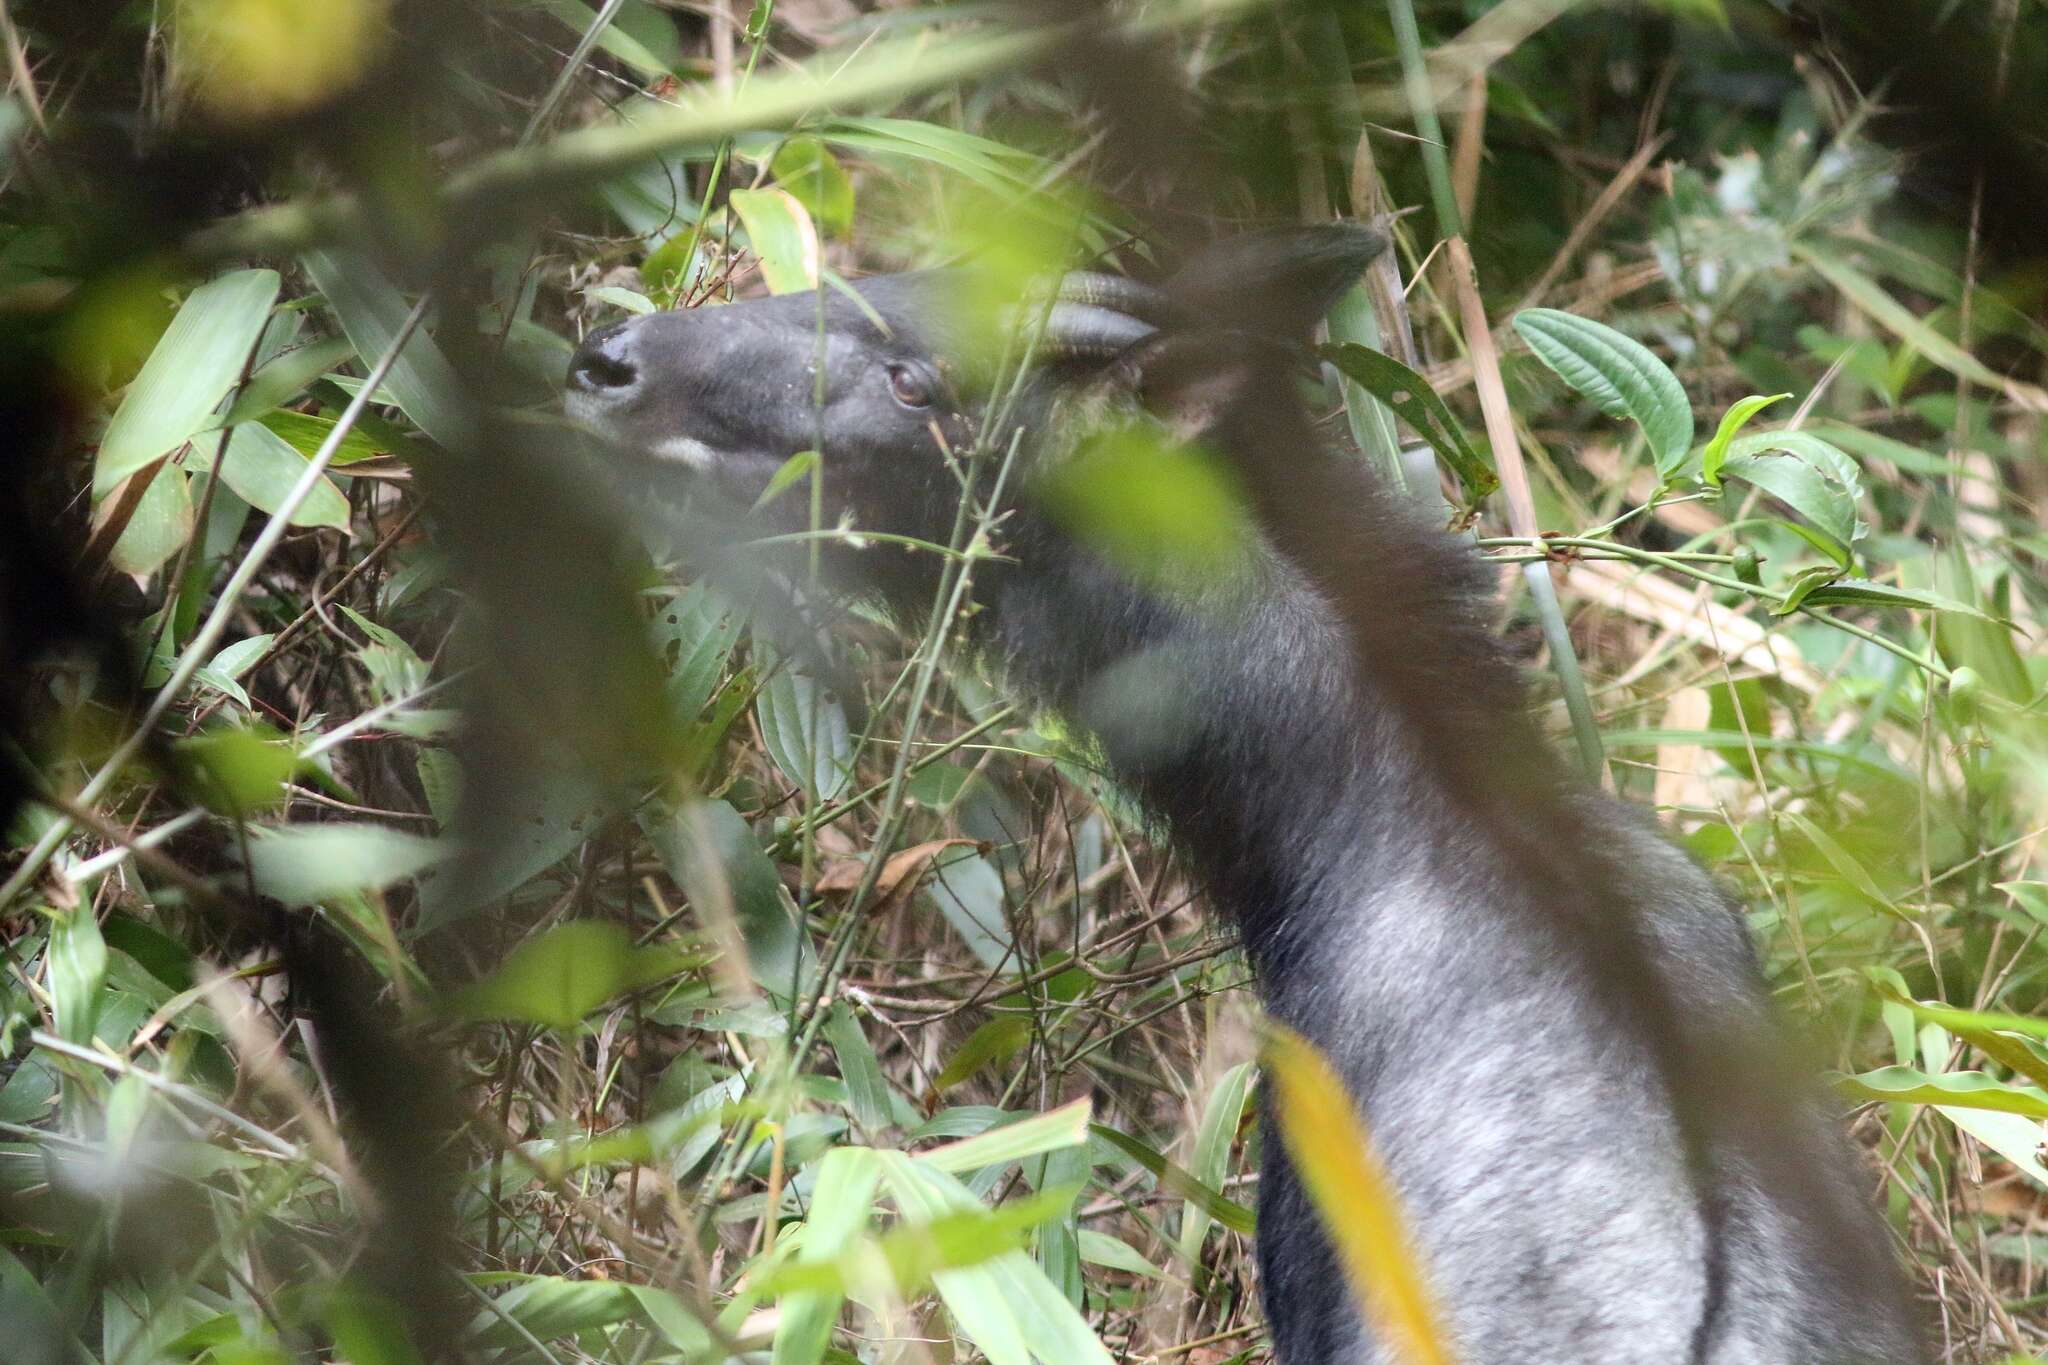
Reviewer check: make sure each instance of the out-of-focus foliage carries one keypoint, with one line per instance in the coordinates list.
(433, 927)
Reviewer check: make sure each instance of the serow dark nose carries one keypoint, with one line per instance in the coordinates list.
(604, 362)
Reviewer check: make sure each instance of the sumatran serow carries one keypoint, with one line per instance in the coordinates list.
(1549, 1017)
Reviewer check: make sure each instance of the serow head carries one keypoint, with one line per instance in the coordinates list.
(892, 382)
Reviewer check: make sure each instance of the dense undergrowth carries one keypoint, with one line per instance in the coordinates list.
(434, 927)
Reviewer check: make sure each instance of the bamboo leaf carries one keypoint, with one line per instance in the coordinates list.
(194, 365)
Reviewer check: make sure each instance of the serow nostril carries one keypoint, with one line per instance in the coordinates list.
(595, 370)
(604, 361)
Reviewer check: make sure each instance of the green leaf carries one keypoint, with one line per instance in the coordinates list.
(1176, 1180)
(307, 864)
(841, 1205)
(558, 978)
(158, 527)
(780, 230)
(808, 170)
(421, 381)
(1960, 1089)
(548, 1306)
(1168, 512)
(1619, 374)
(969, 892)
(1419, 405)
(1815, 479)
(632, 300)
(1861, 592)
(806, 732)
(306, 433)
(710, 851)
(793, 469)
(262, 467)
(867, 1090)
(239, 771)
(996, 1040)
(1065, 1126)
(192, 368)
(1870, 296)
(1099, 1248)
(232, 661)
(1843, 861)
(78, 971)
(32, 1327)
(1210, 1165)
(284, 377)
(1733, 421)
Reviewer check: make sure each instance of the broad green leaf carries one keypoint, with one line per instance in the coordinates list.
(306, 433)
(371, 312)
(992, 1301)
(842, 1202)
(2015, 1137)
(805, 168)
(284, 377)
(307, 864)
(549, 1306)
(159, 526)
(238, 771)
(782, 235)
(78, 971)
(1733, 421)
(1417, 404)
(558, 978)
(996, 1040)
(1959, 1089)
(867, 1090)
(1099, 1248)
(262, 467)
(1176, 1180)
(1351, 322)
(1619, 374)
(710, 851)
(806, 731)
(201, 355)
(33, 1330)
(1167, 512)
(1815, 479)
(1062, 1127)
(1354, 1195)
(233, 660)
(1213, 1140)
(969, 892)
(546, 821)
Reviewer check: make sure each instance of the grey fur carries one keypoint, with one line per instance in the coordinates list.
(1549, 1017)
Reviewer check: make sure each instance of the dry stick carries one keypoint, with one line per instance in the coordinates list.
(201, 648)
(1603, 204)
(1514, 480)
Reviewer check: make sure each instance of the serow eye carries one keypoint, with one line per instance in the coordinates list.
(908, 387)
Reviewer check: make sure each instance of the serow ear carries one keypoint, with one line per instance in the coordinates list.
(1279, 281)
(1192, 383)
